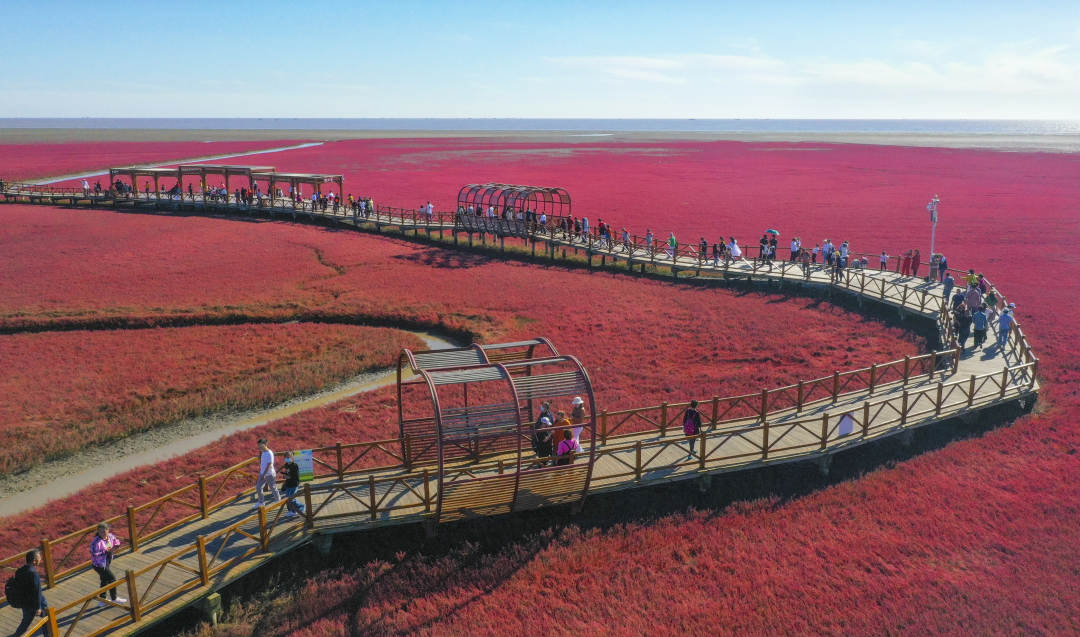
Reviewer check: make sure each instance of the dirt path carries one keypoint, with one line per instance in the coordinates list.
(98, 173)
(59, 478)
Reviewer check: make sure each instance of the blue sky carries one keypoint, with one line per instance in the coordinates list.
(541, 59)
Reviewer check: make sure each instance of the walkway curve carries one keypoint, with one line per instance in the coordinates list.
(214, 536)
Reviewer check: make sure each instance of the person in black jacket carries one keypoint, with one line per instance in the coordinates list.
(28, 578)
(292, 482)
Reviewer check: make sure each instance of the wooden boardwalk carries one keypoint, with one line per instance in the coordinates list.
(205, 535)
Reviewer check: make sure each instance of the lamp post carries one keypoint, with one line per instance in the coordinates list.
(932, 209)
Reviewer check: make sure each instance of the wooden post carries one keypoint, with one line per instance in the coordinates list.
(873, 377)
(800, 397)
(835, 384)
(203, 504)
(1004, 380)
(133, 596)
(204, 565)
(637, 460)
(500, 465)
(309, 513)
(971, 390)
(903, 409)
(764, 439)
(371, 493)
(933, 364)
(603, 427)
(937, 403)
(46, 559)
(907, 367)
(764, 403)
(701, 457)
(715, 410)
(824, 429)
(133, 529)
(866, 418)
(663, 418)
(406, 450)
(340, 466)
(54, 628)
(264, 533)
(427, 491)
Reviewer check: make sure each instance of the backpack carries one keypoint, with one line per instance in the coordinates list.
(15, 590)
(691, 422)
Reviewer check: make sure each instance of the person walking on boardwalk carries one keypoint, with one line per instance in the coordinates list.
(973, 298)
(101, 557)
(949, 283)
(577, 416)
(805, 259)
(962, 319)
(672, 247)
(291, 484)
(267, 474)
(943, 268)
(717, 252)
(31, 600)
(957, 299)
(991, 303)
(979, 324)
(916, 259)
(763, 248)
(1005, 323)
(905, 264)
(703, 250)
(733, 249)
(691, 425)
(883, 260)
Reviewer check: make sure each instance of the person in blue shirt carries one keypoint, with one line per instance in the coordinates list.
(1005, 323)
(979, 323)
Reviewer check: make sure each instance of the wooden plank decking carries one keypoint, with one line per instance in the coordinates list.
(181, 565)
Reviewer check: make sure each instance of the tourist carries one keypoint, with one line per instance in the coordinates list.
(979, 323)
(814, 253)
(564, 424)
(805, 258)
(883, 260)
(1005, 323)
(734, 251)
(942, 268)
(703, 250)
(577, 416)
(101, 557)
(567, 448)
(692, 425)
(916, 259)
(983, 284)
(627, 244)
(772, 248)
(905, 264)
(973, 298)
(795, 245)
(962, 318)
(32, 600)
(763, 248)
(673, 246)
(430, 209)
(542, 440)
(971, 278)
(957, 299)
(585, 228)
(717, 251)
(85, 188)
(545, 412)
(291, 484)
(991, 302)
(949, 283)
(267, 474)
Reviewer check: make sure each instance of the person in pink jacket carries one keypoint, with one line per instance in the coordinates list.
(101, 556)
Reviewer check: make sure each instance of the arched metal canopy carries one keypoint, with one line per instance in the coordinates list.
(497, 423)
(511, 207)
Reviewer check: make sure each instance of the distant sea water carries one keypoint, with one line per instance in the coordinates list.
(906, 126)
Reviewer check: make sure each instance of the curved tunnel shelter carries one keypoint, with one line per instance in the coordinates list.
(512, 208)
(461, 408)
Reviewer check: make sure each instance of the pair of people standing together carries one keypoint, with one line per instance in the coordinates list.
(267, 479)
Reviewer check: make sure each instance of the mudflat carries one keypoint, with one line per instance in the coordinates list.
(1065, 143)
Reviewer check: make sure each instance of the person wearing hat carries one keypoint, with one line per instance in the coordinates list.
(1005, 323)
(577, 416)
